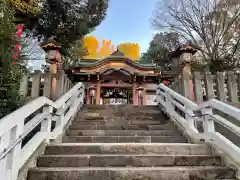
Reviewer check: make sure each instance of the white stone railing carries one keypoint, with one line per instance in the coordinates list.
(14, 128)
(173, 103)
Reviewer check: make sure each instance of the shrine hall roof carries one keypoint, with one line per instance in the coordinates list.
(88, 63)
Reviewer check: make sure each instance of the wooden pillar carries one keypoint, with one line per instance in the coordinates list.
(134, 93)
(98, 90)
(144, 99)
(88, 96)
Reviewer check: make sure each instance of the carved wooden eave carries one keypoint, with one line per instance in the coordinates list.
(113, 66)
(114, 63)
(113, 59)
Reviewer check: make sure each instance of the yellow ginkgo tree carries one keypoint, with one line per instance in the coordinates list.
(130, 50)
(95, 49)
(106, 49)
(91, 44)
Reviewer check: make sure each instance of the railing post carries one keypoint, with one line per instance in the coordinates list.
(74, 99)
(16, 133)
(208, 122)
(169, 105)
(60, 120)
(47, 122)
(5, 141)
(189, 118)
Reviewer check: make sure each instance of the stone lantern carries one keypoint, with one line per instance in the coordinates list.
(53, 57)
(183, 58)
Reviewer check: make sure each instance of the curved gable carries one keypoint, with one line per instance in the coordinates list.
(114, 62)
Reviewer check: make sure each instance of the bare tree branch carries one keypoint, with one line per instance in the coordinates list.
(213, 25)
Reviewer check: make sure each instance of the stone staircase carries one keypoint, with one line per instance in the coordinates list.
(127, 143)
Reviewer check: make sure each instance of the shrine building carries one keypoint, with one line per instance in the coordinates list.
(117, 79)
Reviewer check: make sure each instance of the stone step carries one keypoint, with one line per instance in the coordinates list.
(82, 117)
(89, 118)
(79, 126)
(94, 107)
(125, 113)
(122, 133)
(118, 122)
(149, 122)
(129, 148)
(151, 112)
(130, 173)
(127, 160)
(93, 122)
(124, 139)
(129, 106)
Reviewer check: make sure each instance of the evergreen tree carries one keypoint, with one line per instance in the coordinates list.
(10, 68)
(66, 21)
(160, 48)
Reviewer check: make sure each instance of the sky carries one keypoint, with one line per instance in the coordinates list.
(126, 21)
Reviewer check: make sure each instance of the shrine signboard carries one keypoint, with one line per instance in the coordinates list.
(150, 100)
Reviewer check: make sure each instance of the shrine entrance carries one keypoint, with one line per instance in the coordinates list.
(117, 79)
(116, 96)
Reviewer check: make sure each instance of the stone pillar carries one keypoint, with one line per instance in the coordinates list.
(134, 93)
(24, 86)
(98, 92)
(144, 98)
(88, 97)
(47, 85)
(54, 81)
(36, 80)
(188, 90)
(60, 83)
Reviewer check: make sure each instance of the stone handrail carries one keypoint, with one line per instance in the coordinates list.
(14, 128)
(172, 102)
